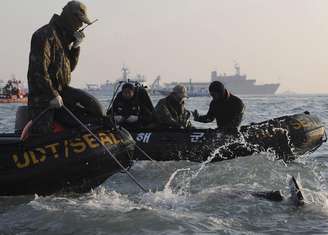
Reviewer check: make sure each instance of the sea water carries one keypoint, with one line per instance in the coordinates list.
(186, 197)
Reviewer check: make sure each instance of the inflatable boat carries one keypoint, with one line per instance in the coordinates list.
(69, 161)
(288, 137)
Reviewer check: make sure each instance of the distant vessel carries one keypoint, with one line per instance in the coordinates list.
(92, 87)
(110, 86)
(237, 84)
(2, 85)
(12, 91)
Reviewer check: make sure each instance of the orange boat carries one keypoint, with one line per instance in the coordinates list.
(13, 99)
(13, 92)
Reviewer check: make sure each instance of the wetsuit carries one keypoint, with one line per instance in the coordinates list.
(139, 105)
(227, 112)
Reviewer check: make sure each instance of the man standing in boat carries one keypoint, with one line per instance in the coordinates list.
(225, 107)
(171, 112)
(54, 54)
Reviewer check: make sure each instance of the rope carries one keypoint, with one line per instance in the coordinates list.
(107, 150)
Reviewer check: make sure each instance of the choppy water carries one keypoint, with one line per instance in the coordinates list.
(188, 198)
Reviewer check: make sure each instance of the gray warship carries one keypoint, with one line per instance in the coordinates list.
(236, 84)
(239, 84)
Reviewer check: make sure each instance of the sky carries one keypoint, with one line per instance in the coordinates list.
(274, 41)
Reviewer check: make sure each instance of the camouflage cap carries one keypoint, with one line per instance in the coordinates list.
(78, 9)
(180, 90)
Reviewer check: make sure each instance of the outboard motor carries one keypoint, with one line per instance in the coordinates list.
(288, 136)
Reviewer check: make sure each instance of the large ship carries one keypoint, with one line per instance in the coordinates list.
(237, 84)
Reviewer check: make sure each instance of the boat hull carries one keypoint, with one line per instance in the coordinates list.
(72, 161)
(13, 100)
(288, 137)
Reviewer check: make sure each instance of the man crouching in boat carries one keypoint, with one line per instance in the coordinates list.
(171, 112)
(225, 107)
(54, 55)
(132, 107)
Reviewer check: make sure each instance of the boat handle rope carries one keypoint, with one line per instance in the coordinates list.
(37, 118)
(106, 148)
(24, 134)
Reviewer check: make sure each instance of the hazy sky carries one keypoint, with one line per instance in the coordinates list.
(282, 41)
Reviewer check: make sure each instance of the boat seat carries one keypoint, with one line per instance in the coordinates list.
(21, 118)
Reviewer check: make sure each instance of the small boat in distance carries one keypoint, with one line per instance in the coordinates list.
(92, 87)
(12, 91)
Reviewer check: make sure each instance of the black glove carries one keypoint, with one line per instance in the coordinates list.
(195, 114)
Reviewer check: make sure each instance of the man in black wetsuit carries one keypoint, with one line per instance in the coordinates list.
(225, 107)
(132, 107)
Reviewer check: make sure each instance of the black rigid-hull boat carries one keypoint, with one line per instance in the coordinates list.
(288, 137)
(67, 161)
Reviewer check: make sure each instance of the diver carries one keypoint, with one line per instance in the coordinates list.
(296, 195)
(132, 107)
(54, 54)
(171, 112)
(225, 107)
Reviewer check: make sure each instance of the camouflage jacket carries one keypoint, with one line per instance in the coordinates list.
(169, 113)
(51, 62)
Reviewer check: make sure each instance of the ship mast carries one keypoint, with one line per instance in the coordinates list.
(237, 68)
(125, 72)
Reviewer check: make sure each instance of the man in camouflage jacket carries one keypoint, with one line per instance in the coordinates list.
(54, 55)
(170, 112)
